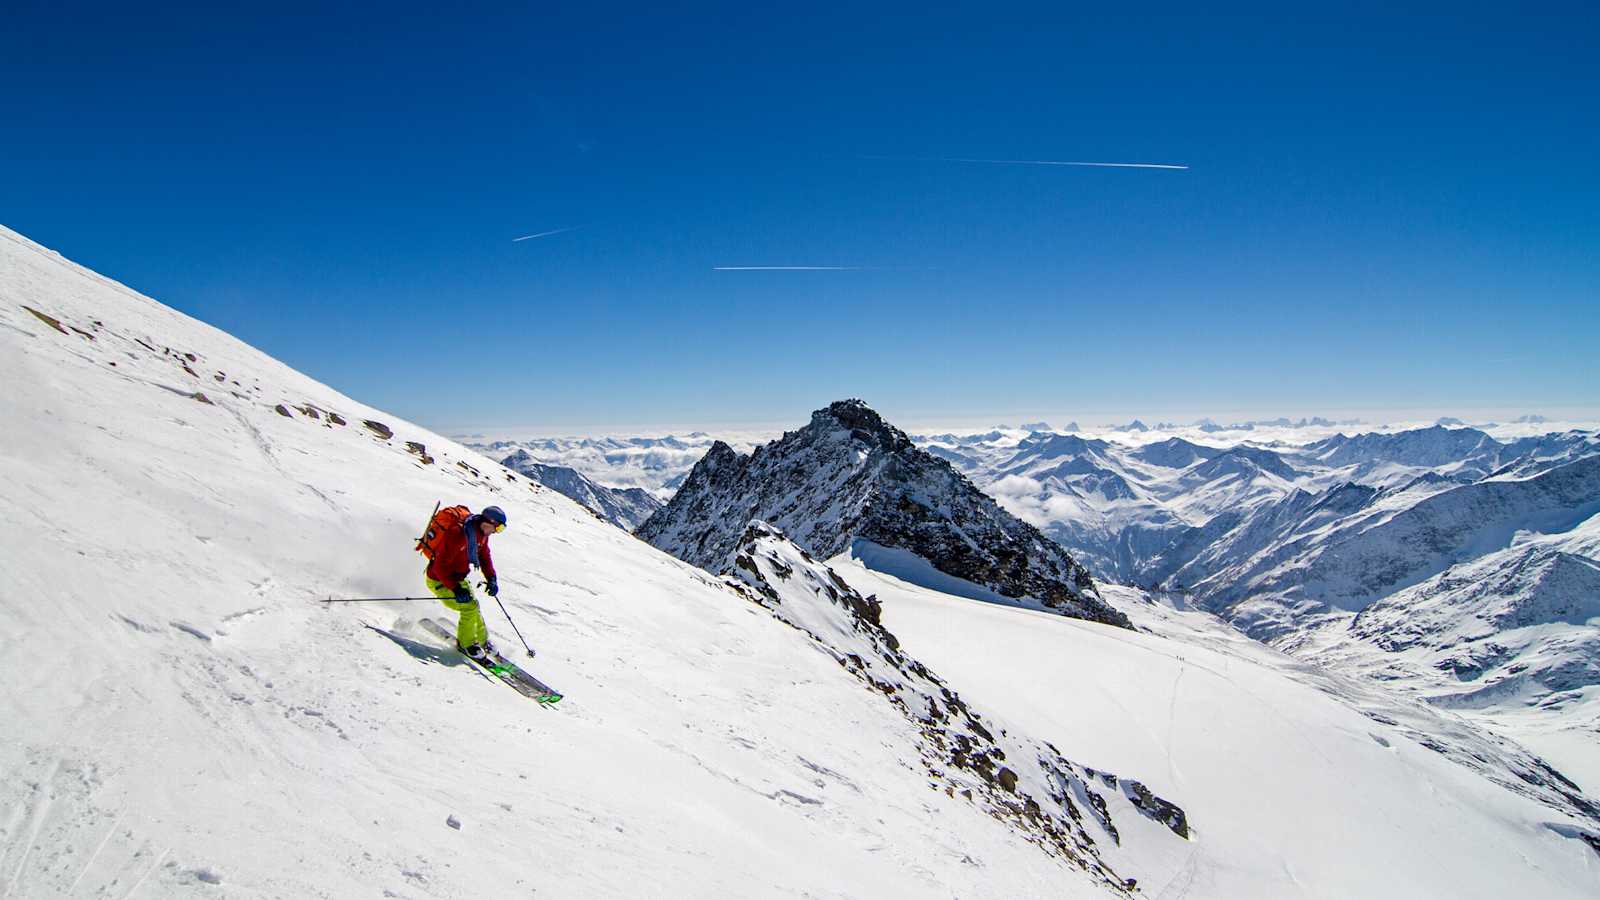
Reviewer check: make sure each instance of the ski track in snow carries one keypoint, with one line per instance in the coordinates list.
(1177, 887)
(89, 863)
(1172, 719)
(148, 872)
(38, 810)
(265, 446)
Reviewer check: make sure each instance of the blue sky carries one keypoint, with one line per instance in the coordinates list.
(1383, 210)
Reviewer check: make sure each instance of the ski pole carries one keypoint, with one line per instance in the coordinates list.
(373, 599)
(514, 627)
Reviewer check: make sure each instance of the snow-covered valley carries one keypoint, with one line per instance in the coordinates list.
(1313, 785)
(1444, 563)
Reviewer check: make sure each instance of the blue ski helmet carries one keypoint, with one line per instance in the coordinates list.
(493, 514)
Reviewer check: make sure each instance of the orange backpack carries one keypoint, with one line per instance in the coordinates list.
(445, 521)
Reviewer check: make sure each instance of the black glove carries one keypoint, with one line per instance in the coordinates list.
(493, 586)
(462, 594)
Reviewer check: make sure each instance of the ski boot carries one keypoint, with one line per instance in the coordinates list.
(478, 653)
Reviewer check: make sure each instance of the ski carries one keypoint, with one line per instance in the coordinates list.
(500, 667)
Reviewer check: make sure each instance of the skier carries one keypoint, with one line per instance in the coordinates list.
(456, 540)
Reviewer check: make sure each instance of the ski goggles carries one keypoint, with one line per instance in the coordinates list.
(498, 527)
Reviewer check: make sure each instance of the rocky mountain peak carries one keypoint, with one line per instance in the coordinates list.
(864, 424)
(719, 456)
(851, 476)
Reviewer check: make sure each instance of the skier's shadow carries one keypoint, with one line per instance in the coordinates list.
(419, 650)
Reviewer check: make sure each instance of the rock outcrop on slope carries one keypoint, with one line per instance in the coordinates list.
(850, 476)
(1069, 810)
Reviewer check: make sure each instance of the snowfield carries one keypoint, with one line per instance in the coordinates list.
(1294, 785)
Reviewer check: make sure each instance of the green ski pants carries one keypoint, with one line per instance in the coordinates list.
(470, 629)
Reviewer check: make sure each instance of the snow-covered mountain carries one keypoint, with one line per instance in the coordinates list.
(1510, 638)
(625, 508)
(1278, 739)
(184, 718)
(850, 475)
(1434, 558)
(1388, 540)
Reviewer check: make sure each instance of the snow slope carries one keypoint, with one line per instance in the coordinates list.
(182, 718)
(1092, 817)
(1295, 782)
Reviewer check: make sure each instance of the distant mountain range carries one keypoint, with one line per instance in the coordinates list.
(625, 508)
(658, 465)
(1456, 565)
(1444, 560)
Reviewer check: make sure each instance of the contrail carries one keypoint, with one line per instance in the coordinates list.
(788, 268)
(529, 237)
(1028, 162)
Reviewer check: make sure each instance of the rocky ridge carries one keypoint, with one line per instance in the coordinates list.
(850, 476)
(1017, 779)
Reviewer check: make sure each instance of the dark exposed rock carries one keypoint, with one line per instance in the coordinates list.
(1007, 779)
(961, 756)
(50, 320)
(850, 476)
(284, 411)
(379, 429)
(1156, 808)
